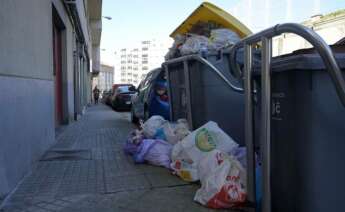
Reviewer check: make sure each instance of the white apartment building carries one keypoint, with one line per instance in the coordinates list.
(132, 64)
(331, 27)
(105, 79)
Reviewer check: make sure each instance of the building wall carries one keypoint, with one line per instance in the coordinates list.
(26, 82)
(27, 126)
(27, 42)
(132, 64)
(105, 79)
(330, 27)
(27, 103)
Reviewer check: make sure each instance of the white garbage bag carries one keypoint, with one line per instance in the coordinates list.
(151, 126)
(173, 132)
(223, 181)
(181, 129)
(205, 139)
(196, 146)
(183, 165)
(221, 38)
(173, 51)
(186, 170)
(193, 44)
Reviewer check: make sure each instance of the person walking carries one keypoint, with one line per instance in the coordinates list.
(96, 94)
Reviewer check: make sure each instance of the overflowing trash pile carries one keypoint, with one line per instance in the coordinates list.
(207, 155)
(202, 39)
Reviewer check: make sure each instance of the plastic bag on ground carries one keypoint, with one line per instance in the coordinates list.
(223, 181)
(185, 170)
(173, 132)
(222, 37)
(202, 141)
(151, 126)
(155, 152)
(133, 141)
(181, 129)
(240, 154)
(194, 44)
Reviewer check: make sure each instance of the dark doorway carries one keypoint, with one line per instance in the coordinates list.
(57, 74)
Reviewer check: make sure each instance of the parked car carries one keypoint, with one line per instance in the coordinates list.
(106, 97)
(151, 97)
(121, 98)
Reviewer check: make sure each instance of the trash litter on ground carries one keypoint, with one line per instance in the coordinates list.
(154, 152)
(153, 144)
(207, 155)
(151, 126)
(186, 170)
(223, 181)
(201, 141)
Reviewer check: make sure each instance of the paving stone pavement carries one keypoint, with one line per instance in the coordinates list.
(86, 170)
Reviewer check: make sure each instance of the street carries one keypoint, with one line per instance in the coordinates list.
(86, 170)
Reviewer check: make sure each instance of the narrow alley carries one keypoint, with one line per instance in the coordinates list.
(86, 170)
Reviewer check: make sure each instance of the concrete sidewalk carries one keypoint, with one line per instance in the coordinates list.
(87, 171)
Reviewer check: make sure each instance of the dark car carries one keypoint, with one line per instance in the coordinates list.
(106, 97)
(121, 98)
(151, 97)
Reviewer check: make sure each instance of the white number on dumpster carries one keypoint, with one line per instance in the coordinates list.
(276, 105)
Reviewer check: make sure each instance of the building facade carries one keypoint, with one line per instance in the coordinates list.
(331, 27)
(132, 64)
(49, 51)
(105, 79)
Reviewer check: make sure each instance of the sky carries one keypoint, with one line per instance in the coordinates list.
(136, 20)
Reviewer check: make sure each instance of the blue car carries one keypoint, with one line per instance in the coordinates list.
(151, 97)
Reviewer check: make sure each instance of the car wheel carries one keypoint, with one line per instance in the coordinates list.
(134, 119)
(114, 104)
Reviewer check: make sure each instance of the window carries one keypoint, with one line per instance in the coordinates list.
(145, 68)
(123, 61)
(145, 42)
(144, 62)
(145, 48)
(129, 73)
(125, 88)
(129, 67)
(144, 55)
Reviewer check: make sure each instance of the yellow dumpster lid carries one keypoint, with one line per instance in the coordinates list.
(209, 12)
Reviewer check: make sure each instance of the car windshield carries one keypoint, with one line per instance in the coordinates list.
(125, 89)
